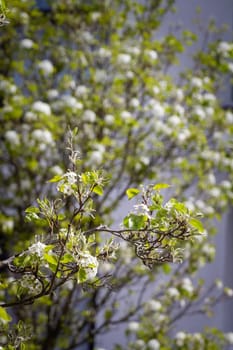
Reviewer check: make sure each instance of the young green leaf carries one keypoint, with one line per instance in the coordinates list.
(98, 190)
(197, 224)
(4, 316)
(132, 192)
(160, 186)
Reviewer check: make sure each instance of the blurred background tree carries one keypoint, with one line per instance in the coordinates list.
(101, 66)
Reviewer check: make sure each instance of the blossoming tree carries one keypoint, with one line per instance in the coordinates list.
(91, 117)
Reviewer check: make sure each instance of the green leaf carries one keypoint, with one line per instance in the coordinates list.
(51, 259)
(166, 268)
(56, 178)
(81, 275)
(98, 190)
(32, 210)
(160, 186)
(4, 316)
(67, 258)
(197, 224)
(135, 222)
(132, 192)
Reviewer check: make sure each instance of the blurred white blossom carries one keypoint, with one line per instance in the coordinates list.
(229, 337)
(46, 67)
(89, 116)
(37, 248)
(196, 82)
(153, 344)
(180, 338)
(187, 285)
(133, 326)
(12, 137)
(89, 263)
(152, 54)
(153, 305)
(123, 59)
(26, 43)
(109, 119)
(44, 136)
(41, 107)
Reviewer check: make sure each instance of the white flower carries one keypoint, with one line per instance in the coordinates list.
(174, 120)
(229, 117)
(163, 84)
(229, 337)
(156, 108)
(134, 102)
(187, 285)
(224, 48)
(129, 74)
(134, 50)
(208, 249)
(219, 284)
(141, 208)
(189, 204)
(89, 116)
(41, 107)
(226, 184)
(126, 115)
(153, 305)
(151, 54)
(37, 248)
(209, 111)
(133, 327)
(12, 137)
(123, 59)
(179, 94)
(95, 16)
(100, 76)
(81, 91)
(46, 67)
(104, 53)
(179, 109)
(90, 264)
(183, 135)
(211, 179)
(109, 119)
(230, 67)
(26, 43)
(209, 97)
(8, 225)
(44, 136)
(30, 116)
(96, 157)
(156, 90)
(200, 112)
(153, 344)
(52, 94)
(180, 338)
(215, 192)
(196, 82)
(71, 102)
(173, 292)
(71, 177)
(228, 292)
(139, 344)
(87, 36)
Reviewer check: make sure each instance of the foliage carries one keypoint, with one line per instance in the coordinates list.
(103, 72)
